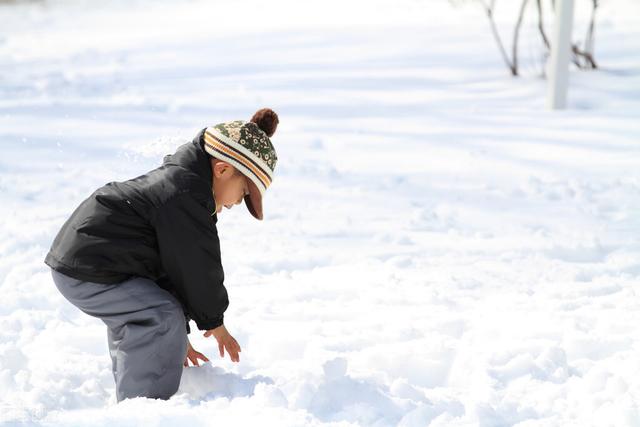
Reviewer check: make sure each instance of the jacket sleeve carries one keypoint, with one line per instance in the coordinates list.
(190, 254)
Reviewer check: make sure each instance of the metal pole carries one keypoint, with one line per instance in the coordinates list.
(560, 50)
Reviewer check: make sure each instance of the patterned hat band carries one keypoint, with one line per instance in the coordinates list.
(245, 146)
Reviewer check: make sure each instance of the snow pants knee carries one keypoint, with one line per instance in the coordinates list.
(146, 332)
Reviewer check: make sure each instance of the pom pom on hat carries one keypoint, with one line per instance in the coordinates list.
(267, 120)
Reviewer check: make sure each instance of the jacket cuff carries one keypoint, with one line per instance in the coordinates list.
(188, 328)
(210, 324)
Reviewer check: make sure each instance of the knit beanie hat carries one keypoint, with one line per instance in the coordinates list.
(246, 146)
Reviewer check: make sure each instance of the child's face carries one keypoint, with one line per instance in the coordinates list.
(229, 185)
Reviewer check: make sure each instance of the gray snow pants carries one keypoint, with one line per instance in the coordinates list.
(146, 332)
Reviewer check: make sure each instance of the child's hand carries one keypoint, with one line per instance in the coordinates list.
(193, 355)
(225, 340)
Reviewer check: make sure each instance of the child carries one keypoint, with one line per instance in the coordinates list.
(143, 255)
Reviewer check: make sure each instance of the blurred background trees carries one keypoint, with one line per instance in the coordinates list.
(582, 50)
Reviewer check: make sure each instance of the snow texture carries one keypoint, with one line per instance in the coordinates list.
(438, 248)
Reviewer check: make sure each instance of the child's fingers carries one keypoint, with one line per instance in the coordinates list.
(233, 352)
(221, 348)
(236, 350)
(194, 359)
(201, 356)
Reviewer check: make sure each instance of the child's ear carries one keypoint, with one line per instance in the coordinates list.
(221, 168)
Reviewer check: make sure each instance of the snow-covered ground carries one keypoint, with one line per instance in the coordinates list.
(438, 248)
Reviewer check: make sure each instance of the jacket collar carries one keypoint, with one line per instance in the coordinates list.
(193, 157)
(202, 162)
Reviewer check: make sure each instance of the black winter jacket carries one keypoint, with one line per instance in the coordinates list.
(160, 225)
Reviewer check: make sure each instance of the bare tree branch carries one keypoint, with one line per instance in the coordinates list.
(496, 35)
(589, 39)
(541, 25)
(585, 55)
(516, 33)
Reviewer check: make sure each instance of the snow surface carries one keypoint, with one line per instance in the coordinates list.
(438, 248)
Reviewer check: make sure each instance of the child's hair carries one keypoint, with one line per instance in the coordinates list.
(267, 120)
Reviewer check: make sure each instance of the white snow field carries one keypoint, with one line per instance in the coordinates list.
(438, 248)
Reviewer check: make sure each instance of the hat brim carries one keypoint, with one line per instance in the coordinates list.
(253, 200)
